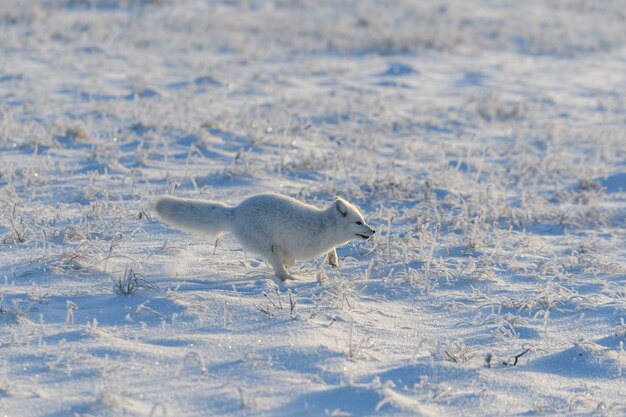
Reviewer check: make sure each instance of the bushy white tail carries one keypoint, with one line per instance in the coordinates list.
(194, 215)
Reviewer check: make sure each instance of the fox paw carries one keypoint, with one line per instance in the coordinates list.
(285, 277)
(333, 260)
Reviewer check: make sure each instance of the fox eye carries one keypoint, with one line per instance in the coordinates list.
(359, 222)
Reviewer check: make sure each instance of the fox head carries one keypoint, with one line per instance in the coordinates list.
(350, 222)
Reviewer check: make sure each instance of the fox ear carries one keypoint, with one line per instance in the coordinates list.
(341, 207)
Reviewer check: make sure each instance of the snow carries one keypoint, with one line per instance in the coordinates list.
(485, 141)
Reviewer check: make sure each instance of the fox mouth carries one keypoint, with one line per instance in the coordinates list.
(364, 237)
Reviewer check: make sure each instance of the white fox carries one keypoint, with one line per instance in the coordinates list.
(279, 228)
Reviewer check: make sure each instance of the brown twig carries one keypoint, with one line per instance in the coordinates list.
(516, 358)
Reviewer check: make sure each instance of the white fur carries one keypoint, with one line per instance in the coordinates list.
(279, 228)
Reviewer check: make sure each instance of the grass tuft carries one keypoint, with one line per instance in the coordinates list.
(130, 282)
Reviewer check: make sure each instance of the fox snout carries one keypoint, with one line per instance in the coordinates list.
(369, 232)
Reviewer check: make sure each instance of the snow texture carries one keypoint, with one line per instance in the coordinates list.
(484, 140)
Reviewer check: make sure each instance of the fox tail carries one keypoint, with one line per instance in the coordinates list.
(194, 215)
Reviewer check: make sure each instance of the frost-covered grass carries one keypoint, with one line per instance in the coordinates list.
(484, 140)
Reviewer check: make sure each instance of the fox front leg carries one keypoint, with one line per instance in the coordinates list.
(333, 260)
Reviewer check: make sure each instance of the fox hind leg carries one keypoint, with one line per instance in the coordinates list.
(333, 259)
(277, 259)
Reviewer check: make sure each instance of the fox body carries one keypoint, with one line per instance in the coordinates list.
(279, 228)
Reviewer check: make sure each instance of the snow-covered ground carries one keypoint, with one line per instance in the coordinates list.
(485, 140)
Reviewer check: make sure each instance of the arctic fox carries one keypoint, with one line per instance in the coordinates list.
(279, 228)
